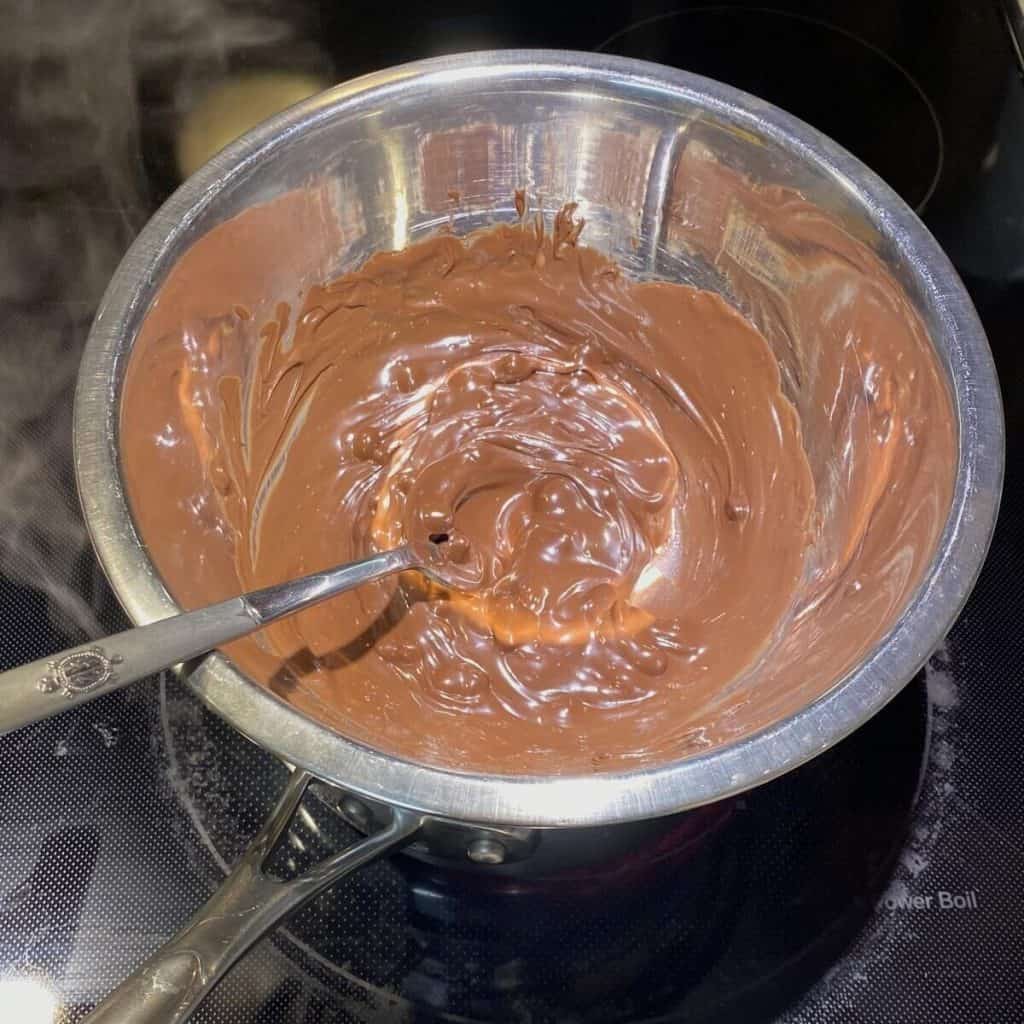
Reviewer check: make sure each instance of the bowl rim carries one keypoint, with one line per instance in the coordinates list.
(567, 800)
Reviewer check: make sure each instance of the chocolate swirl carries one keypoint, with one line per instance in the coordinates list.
(615, 458)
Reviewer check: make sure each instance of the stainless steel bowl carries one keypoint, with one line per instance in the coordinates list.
(382, 152)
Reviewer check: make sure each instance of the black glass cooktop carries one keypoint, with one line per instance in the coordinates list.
(883, 883)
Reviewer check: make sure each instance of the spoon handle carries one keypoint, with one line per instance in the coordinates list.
(48, 686)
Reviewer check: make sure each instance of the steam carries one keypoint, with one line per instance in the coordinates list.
(73, 193)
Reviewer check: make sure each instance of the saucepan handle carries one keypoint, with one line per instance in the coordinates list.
(169, 986)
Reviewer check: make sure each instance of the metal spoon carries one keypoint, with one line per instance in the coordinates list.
(43, 688)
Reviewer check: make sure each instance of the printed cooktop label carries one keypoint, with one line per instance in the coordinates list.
(942, 899)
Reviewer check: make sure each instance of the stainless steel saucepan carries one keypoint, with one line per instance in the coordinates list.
(379, 160)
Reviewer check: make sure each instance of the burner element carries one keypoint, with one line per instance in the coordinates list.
(727, 912)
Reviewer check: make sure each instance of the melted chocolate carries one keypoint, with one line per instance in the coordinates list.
(616, 459)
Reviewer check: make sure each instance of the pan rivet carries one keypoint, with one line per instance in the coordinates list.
(486, 851)
(355, 811)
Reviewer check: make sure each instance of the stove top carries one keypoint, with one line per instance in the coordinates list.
(879, 884)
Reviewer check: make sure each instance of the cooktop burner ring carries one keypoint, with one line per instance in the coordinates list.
(403, 930)
(693, 38)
